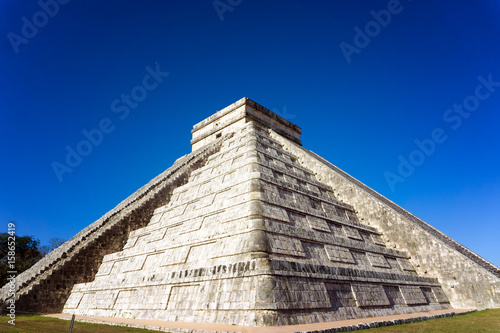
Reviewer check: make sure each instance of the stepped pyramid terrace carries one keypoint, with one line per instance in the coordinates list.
(251, 228)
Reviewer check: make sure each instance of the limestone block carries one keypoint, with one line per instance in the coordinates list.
(370, 295)
(341, 295)
(378, 260)
(352, 232)
(429, 295)
(285, 245)
(318, 224)
(405, 265)
(337, 253)
(413, 295)
(394, 295)
(440, 295)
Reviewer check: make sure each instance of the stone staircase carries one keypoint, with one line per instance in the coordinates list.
(45, 287)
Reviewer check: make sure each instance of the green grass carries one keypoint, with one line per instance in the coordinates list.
(477, 322)
(41, 324)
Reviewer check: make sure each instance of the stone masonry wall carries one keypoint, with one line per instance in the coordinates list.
(467, 279)
(254, 239)
(176, 267)
(325, 265)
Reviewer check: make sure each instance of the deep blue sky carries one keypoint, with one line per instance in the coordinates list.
(285, 55)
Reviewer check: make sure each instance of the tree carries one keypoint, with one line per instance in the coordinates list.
(26, 254)
(54, 243)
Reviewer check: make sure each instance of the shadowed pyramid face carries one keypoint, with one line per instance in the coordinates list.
(254, 238)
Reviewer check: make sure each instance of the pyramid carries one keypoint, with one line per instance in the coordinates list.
(253, 229)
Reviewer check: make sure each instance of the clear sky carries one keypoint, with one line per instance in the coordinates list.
(404, 96)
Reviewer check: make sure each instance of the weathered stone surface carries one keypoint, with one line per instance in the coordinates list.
(468, 280)
(260, 232)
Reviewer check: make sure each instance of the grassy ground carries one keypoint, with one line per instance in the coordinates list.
(41, 324)
(478, 322)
